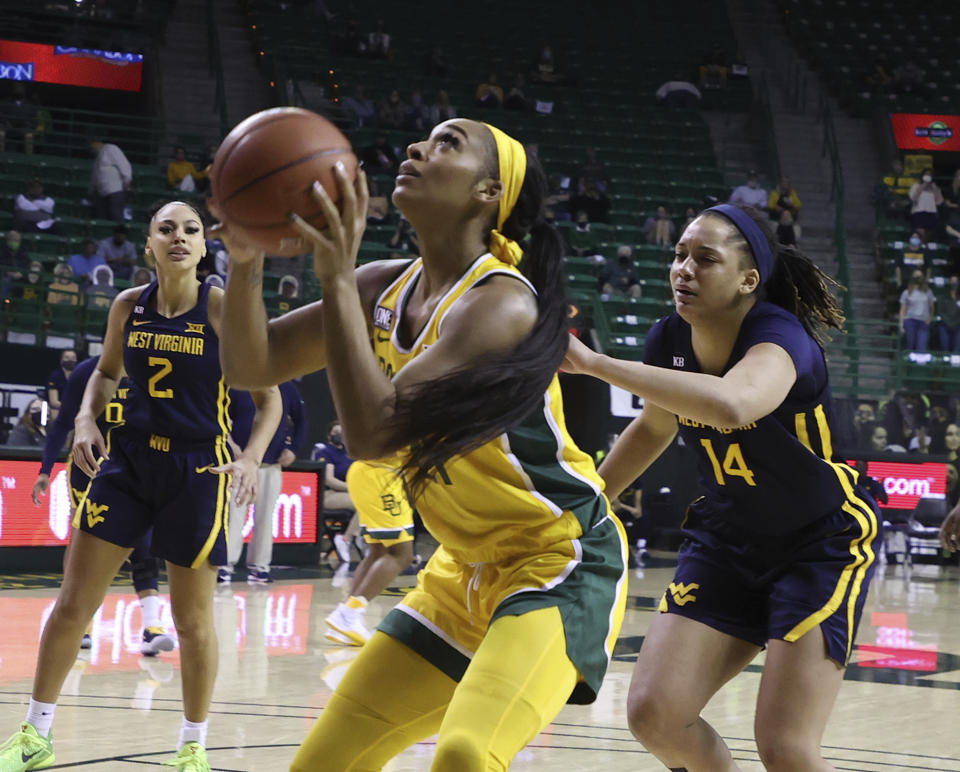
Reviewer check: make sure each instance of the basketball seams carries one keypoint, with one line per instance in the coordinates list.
(277, 170)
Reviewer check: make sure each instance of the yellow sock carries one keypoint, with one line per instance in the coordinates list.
(357, 602)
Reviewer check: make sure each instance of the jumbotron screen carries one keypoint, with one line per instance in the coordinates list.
(70, 66)
(914, 131)
(24, 525)
(906, 484)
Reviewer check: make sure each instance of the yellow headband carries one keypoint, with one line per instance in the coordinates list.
(513, 169)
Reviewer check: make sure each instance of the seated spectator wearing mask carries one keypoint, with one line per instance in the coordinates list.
(29, 432)
(119, 253)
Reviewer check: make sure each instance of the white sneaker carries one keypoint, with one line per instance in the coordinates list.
(349, 622)
(342, 546)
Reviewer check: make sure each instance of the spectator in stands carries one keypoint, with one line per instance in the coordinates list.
(914, 257)
(559, 197)
(14, 259)
(951, 440)
(30, 286)
(864, 418)
(783, 198)
(925, 197)
(546, 69)
(878, 441)
(879, 77)
(436, 63)
(118, 253)
(951, 196)
(141, 276)
(418, 116)
(948, 309)
(679, 92)
(940, 418)
(917, 304)
(181, 173)
(288, 291)
(786, 229)
(590, 199)
(909, 77)
(619, 277)
(57, 380)
(101, 292)
(442, 110)
(659, 228)
(82, 263)
(33, 210)
(361, 109)
(688, 217)
(488, 93)
(593, 170)
(404, 239)
(29, 431)
(582, 239)
(750, 194)
(110, 179)
(393, 111)
(920, 441)
(516, 98)
(713, 68)
(380, 157)
(892, 196)
(63, 290)
(19, 118)
(378, 42)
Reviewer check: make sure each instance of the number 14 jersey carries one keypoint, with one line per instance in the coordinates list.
(777, 474)
(178, 388)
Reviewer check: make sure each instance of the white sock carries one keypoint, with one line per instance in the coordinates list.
(150, 608)
(191, 732)
(40, 715)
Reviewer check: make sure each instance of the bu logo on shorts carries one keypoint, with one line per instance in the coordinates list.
(94, 516)
(390, 505)
(683, 593)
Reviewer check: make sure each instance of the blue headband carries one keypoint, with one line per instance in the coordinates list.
(754, 235)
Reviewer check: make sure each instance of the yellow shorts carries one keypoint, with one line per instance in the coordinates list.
(386, 516)
(446, 616)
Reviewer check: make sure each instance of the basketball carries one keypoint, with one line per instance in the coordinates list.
(265, 168)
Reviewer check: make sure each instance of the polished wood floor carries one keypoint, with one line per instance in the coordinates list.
(899, 708)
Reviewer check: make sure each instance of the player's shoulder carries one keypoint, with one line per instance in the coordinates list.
(766, 317)
(130, 295)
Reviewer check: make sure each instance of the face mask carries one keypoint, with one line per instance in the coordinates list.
(69, 364)
(336, 438)
(927, 178)
(915, 241)
(35, 416)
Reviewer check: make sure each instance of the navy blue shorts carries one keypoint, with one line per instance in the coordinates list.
(778, 588)
(152, 482)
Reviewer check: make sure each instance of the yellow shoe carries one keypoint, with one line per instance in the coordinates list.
(191, 758)
(26, 750)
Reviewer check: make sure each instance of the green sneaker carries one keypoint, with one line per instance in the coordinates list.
(191, 758)
(26, 750)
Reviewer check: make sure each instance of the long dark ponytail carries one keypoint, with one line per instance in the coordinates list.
(461, 411)
(796, 284)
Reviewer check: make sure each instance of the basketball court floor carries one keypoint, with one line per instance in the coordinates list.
(899, 708)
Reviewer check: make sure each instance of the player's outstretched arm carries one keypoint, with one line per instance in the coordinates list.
(640, 444)
(752, 389)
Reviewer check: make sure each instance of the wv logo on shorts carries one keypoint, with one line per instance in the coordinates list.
(94, 516)
(682, 594)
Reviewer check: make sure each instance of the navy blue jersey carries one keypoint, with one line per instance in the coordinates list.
(70, 400)
(327, 452)
(777, 474)
(177, 390)
(56, 380)
(291, 431)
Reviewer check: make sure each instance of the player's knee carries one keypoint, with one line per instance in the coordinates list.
(460, 750)
(73, 611)
(402, 553)
(781, 752)
(194, 624)
(649, 716)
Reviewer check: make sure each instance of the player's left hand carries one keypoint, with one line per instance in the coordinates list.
(335, 250)
(950, 531)
(244, 485)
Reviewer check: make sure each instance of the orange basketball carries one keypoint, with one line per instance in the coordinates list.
(265, 168)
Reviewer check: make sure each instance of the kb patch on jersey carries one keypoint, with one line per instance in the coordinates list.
(383, 318)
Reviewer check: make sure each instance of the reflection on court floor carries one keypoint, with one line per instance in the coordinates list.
(897, 710)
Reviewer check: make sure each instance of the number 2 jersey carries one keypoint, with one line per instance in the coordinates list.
(777, 474)
(178, 391)
(529, 488)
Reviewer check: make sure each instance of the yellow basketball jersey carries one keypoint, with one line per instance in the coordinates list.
(529, 488)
